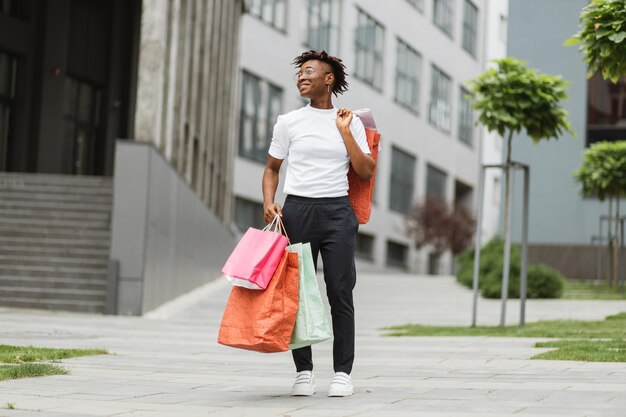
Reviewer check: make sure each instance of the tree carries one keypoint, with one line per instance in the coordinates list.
(602, 38)
(511, 98)
(434, 222)
(603, 174)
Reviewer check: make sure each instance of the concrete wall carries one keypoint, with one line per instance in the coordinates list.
(166, 240)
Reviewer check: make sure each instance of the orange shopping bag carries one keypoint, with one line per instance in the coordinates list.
(263, 321)
(360, 191)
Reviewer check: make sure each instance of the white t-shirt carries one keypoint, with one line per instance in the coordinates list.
(318, 159)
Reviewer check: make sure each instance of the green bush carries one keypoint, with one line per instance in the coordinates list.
(543, 281)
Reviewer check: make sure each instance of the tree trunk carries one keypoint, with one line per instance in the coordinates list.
(506, 231)
(616, 243)
(609, 246)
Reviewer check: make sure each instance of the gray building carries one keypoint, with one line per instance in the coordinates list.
(407, 61)
(89, 222)
(562, 222)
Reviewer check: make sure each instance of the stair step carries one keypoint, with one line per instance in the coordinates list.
(58, 232)
(52, 224)
(55, 206)
(39, 270)
(21, 179)
(45, 214)
(69, 197)
(66, 305)
(78, 189)
(53, 282)
(43, 260)
(53, 251)
(59, 294)
(68, 243)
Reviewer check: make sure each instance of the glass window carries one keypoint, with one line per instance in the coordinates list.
(248, 214)
(323, 25)
(443, 15)
(435, 182)
(439, 108)
(369, 44)
(606, 109)
(418, 4)
(364, 246)
(408, 72)
(470, 27)
(466, 118)
(15, 8)
(402, 173)
(272, 12)
(8, 72)
(397, 254)
(261, 103)
(433, 264)
(81, 117)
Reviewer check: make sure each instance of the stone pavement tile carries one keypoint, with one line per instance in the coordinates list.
(598, 387)
(568, 412)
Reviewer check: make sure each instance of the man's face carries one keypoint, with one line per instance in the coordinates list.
(312, 78)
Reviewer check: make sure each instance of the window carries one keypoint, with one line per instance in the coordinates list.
(418, 4)
(408, 71)
(463, 194)
(435, 183)
(402, 173)
(261, 103)
(369, 51)
(8, 72)
(470, 27)
(272, 12)
(82, 124)
(397, 254)
(323, 25)
(364, 246)
(439, 108)
(433, 264)
(15, 8)
(248, 214)
(443, 15)
(606, 109)
(466, 118)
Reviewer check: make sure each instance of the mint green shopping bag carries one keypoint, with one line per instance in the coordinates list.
(311, 320)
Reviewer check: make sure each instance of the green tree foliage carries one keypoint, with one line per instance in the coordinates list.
(511, 98)
(603, 171)
(602, 38)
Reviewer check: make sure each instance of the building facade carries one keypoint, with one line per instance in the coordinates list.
(89, 222)
(408, 61)
(564, 226)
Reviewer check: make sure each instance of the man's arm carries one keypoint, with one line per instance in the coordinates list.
(269, 185)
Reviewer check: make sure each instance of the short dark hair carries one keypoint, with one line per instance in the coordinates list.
(340, 85)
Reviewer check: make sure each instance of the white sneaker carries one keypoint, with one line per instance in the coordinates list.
(341, 385)
(304, 385)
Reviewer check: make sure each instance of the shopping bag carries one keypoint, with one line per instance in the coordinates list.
(311, 321)
(255, 258)
(263, 321)
(360, 191)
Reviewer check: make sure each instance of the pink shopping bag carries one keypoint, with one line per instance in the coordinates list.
(255, 258)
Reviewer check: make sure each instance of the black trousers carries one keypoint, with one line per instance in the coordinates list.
(330, 225)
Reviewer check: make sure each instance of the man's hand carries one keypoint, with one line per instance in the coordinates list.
(344, 118)
(270, 211)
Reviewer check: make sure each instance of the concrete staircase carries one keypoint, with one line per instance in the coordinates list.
(54, 241)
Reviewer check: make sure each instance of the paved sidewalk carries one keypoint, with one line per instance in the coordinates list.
(172, 366)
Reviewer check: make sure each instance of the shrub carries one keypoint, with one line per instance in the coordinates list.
(543, 281)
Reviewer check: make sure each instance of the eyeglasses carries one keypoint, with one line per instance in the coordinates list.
(308, 72)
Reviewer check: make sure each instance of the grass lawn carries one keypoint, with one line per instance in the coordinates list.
(16, 361)
(585, 345)
(576, 290)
